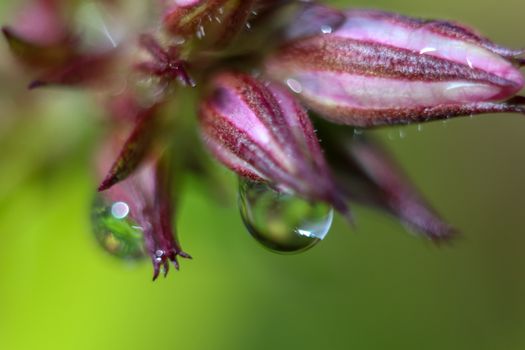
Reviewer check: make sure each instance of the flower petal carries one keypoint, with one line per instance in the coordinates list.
(379, 68)
(137, 146)
(261, 132)
(368, 175)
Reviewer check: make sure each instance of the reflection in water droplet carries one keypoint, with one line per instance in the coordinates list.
(427, 50)
(469, 62)
(294, 85)
(326, 29)
(282, 222)
(115, 230)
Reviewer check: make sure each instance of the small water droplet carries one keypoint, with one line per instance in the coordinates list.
(326, 29)
(280, 221)
(469, 62)
(427, 50)
(115, 230)
(294, 85)
(201, 33)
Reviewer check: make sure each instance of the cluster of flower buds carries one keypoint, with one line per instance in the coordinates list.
(362, 68)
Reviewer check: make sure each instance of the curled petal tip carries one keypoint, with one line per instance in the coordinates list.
(185, 255)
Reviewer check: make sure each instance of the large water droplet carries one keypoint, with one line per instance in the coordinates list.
(282, 222)
(115, 230)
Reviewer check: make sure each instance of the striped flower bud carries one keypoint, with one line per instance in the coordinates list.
(383, 68)
(215, 22)
(259, 131)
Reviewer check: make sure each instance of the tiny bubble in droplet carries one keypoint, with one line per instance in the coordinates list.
(120, 210)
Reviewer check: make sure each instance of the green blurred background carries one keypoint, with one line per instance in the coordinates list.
(372, 287)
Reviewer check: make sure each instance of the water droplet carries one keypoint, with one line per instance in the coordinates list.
(427, 50)
(115, 230)
(326, 29)
(469, 62)
(358, 131)
(201, 33)
(294, 85)
(280, 221)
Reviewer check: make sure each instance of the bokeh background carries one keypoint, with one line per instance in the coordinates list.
(369, 287)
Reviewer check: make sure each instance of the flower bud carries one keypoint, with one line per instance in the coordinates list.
(259, 131)
(382, 68)
(214, 22)
(367, 174)
(148, 197)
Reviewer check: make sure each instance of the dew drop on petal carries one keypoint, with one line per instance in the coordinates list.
(294, 85)
(115, 230)
(282, 222)
(326, 29)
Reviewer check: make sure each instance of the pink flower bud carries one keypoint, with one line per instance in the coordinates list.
(261, 132)
(382, 68)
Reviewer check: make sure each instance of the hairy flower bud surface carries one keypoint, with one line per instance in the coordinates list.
(261, 132)
(213, 22)
(382, 68)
